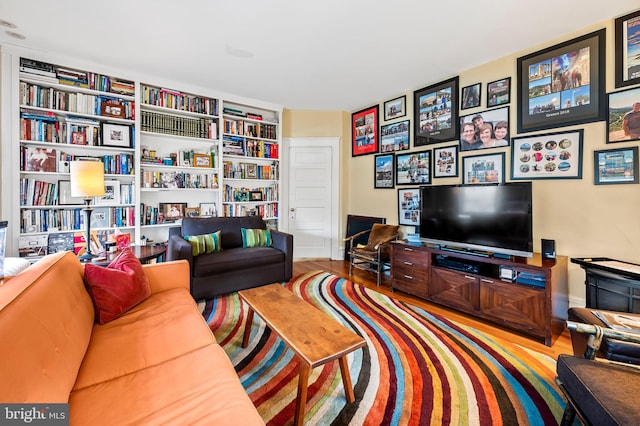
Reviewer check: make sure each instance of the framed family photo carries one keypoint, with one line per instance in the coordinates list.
(547, 156)
(623, 116)
(364, 127)
(395, 108)
(478, 169)
(395, 137)
(627, 49)
(616, 166)
(485, 129)
(413, 168)
(409, 206)
(499, 92)
(471, 96)
(383, 177)
(435, 110)
(445, 162)
(563, 84)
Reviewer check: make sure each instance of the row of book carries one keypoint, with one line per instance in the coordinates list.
(238, 145)
(234, 194)
(34, 192)
(249, 129)
(34, 126)
(184, 158)
(266, 211)
(204, 128)
(156, 179)
(51, 98)
(249, 171)
(47, 160)
(51, 220)
(174, 99)
(55, 74)
(239, 113)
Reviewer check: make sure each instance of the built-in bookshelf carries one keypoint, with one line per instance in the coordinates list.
(67, 114)
(179, 158)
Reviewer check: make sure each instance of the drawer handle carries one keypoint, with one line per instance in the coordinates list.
(408, 249)
(469, 278)
(484, 280)
(408, 263)
(409, 277)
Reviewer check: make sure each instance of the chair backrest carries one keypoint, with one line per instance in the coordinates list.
(382, 233)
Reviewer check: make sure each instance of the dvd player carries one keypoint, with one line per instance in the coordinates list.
(457, 264)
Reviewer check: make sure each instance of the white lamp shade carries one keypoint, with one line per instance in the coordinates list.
(87, 178)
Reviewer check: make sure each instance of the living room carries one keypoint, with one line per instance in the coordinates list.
(584, 218)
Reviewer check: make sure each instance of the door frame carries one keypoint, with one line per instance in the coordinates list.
(320, 142)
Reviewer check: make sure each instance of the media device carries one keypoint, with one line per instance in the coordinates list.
(548, 249)
(495, 217)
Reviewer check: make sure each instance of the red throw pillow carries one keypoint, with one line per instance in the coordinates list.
(118, 287)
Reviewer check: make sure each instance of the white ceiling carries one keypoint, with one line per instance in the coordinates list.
(322, 55)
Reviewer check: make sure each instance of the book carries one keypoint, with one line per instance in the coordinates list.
(619, 321)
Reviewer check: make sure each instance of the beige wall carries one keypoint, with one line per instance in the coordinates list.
(585, 220)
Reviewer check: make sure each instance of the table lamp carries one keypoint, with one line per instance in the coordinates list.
(87, 180)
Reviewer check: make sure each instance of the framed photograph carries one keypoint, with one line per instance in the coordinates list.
(615, 166)
(409, 206)
(627, 49)
(64, 194)
(486, 129)
(111, 194)
(202, 160)
(547, 156)
(255, 196)
(623, 115)
(251, 170)
(101, 217)
(116, 135)
(413, 168)
(445, 162)
(40, 159)
(192, 212)
(499, 92)
(172, 211)
(109, 109)
(383, 173)
(471, 96)
(487, 168)
(395, 108)
(208, 210)
(364, 132)
(563, 85)
(78, 138)
(395, 137)
(435, 110)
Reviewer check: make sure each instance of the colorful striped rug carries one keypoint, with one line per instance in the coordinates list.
(417, 368)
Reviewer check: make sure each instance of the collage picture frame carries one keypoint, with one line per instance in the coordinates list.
(409, 206)
(615, 166)
(413, 168)
(364, 128)
(483, 168)
(395, 136)
(555, 155)
(435, 110)
(445, 161)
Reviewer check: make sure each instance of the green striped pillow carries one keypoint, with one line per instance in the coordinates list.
(256, 237)
(201, 244)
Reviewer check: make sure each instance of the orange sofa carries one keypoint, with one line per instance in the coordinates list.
(158, 363)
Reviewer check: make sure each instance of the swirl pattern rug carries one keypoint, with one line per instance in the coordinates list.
(417, 368)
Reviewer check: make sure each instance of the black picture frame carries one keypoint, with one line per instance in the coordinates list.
(483, 168)
(395, 136)
(384, 171)
(435, 110)
(499, 92)
(555, 155)
(365, 139)
(615, 166)
(563, 84)
(471, 96)
(627, 45)
(116, 135)
(495, 120)
(413, 168)
(619, 104)
(409, 206)
(395, 108)
(445, 161)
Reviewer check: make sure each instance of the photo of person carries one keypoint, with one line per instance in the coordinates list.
(488, 129)
(471, 96)
(623, 121)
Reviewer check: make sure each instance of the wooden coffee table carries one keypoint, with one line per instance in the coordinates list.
(314, 336)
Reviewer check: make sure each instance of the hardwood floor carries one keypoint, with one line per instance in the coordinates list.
(341, 268)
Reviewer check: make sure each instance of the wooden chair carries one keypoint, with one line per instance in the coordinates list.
(375, 255)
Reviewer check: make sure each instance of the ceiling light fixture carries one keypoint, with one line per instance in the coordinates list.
(15, 35)
(7, 24)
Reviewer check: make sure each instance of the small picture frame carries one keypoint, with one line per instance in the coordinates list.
(78, 138)
(208, 210)
(499, 92)
(64, 194)
(255, 196)
(202, 160)
(110, 109)
(172, 211)
(409, 206)
(481, 169)
(445, 162)
(364, 132)
(547, 156)
(627, 48)
(615, 166)
(111, 195)
(395, 108)
(383, 171)
(192, 212)
(413, 168)
(251, 171)
(471, 96)
(116, 135)
(101, 217)
(623, 116)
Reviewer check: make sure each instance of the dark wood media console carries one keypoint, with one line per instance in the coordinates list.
(534, 301)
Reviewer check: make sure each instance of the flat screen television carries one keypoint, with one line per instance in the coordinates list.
(493, 218)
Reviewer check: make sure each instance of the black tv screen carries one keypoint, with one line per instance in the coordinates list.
(495, 218)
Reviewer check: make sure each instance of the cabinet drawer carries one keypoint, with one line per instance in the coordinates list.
(411, 255)
(401, 270)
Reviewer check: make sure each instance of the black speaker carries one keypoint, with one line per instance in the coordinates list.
(548, 249)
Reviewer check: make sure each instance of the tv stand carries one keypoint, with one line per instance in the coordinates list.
(528, 295)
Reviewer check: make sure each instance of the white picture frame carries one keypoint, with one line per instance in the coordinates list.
(111, 195)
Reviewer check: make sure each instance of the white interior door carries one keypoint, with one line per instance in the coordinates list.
(311, 200)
